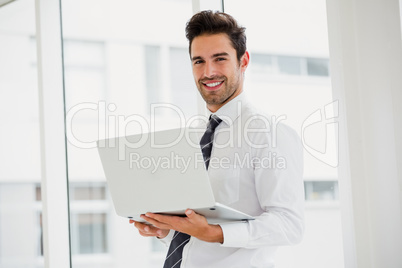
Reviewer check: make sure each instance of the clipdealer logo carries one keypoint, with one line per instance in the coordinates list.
(320, 134)
(319, 131)
(112, 125)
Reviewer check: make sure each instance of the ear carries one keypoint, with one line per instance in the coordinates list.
(244, 61)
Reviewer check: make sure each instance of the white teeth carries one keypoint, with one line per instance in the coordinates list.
(213, 84)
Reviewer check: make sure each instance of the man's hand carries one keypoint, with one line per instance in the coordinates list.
(194, 224)
(149, 230)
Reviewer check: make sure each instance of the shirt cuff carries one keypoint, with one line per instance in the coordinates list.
(167, 239)
(235, 234)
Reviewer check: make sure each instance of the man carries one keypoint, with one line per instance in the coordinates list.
(263, 174)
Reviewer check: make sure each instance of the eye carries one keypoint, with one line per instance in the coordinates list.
(198, 62)
(220, 59)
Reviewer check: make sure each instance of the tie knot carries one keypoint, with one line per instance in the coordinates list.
(214, 122)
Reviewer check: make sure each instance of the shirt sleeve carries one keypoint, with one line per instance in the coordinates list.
(280, 192)
(167, 239)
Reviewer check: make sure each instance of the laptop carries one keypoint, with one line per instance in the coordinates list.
(161, 172)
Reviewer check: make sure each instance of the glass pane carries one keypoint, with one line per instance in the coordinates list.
(319, 67)
(182, 81)
(321, 190)
(89, 233)
(289, 65)
(20, 202)
(153, 74)
(263, 66)
(120, 58)
(287, 40)
(88, 191)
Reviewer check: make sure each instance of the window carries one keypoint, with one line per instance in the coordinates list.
(289, 76)
(317, 67)
(89, 233)
(20, 243)
(289, 65)
(153, 74)
(321, 190)
(89, 215)
(89, 191)
(84, 67)
(181, 81)
(116, 66)
(264, 66)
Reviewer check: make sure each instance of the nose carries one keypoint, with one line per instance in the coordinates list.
(209, 70)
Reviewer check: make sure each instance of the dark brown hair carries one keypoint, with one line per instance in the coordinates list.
(209, 22)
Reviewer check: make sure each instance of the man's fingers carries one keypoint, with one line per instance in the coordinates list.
(191, 214)
(159, 217)
(146, 229)
(155, 222)
(194, 217)
(146, 234)
(140, 226)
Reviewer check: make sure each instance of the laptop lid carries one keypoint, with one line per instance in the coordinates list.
(156, 172)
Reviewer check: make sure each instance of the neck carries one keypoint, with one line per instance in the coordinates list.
(215, 107)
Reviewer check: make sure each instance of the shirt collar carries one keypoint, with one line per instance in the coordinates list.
(231, 110)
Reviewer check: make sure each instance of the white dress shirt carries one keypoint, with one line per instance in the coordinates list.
(256, 167)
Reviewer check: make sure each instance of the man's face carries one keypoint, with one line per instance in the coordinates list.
(217, 72)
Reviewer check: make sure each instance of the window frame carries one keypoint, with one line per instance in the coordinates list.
(54, 185)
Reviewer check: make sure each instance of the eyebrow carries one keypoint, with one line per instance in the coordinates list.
(213, 56)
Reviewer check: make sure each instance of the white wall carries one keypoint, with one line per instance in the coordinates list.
(366, 54)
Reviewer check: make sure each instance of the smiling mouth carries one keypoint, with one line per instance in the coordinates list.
(213, 85)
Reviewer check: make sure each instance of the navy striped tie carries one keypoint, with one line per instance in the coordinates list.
(175, 252)
(208, 138)
(179, 240)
